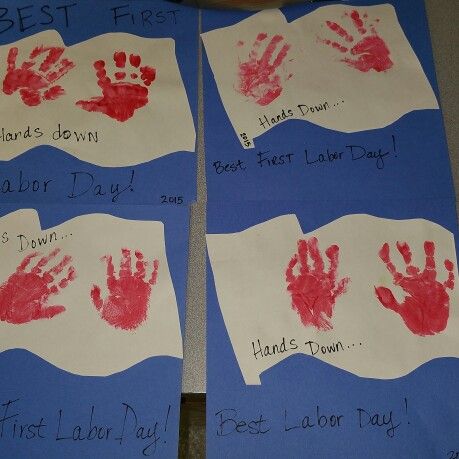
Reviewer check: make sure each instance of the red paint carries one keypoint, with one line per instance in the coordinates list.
(370, 53)
(128, 295)
(258, 77)
(313, 290)
(121, 99)
(36, 85)
(425, 309)
(25, 294)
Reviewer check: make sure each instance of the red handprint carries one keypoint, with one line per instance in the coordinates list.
(24, 296)
(314, 291)
(257, 77)
(425, 310)
(127, 302)
(120, 100)
(35, 85)
(371, 52)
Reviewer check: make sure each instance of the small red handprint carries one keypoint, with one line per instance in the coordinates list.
(24, 296)
(120, 100)
(314, 291)
(127, 302)
(36, 84)
(258, 77)
(370, 52)
(425, 310)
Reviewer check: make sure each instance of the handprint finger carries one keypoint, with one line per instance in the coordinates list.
(340, 288)
(335, 45)
(384, 254)
(120, 59)
(102, 79)
(405, 252)
(332, 254)
(303, 249)
(53, 93)
(54, 54)
(154, 274)
(65, 65)
(340, 31)
(429, 271)
(11, 59)
(256, 45)
(96, 298)
(45, 260)
(281, 56)
(449, 283)
(110, 270)
(50, 312)
(26, 261)
(135, 60)
(387, 299)
(316, 257)
(140, 265)
(358, 22)
(125, 264)
(70, 277)
(55, 270)
(148, 75)
(269, 51)
(289, 276)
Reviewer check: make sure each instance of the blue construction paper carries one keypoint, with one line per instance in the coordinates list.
(147, 393)
(424, 403)
(169, 179)
(413, 161)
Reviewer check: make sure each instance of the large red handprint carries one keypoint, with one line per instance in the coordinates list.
(24, 296)
(314, 291)
(127, 302)
(120, 100)
(35, 85)
(425, 310)
(258, 77)
(369, 53)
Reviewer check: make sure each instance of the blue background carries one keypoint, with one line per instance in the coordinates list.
(171, 175)
(300, 383)
(419, 169)
(149, 387)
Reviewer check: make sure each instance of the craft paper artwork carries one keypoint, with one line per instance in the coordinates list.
(340, 67)
(95, 99)
(372, 296)
(92, 296)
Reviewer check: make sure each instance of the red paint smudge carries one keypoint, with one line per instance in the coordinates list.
(314, 291)
(127, 302)
(120, 100)
(258, 77)
(425, 309)
(36, 84)
(25, 294)
(370, 53)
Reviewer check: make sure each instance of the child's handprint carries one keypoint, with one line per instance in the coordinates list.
(425, 310)
(314, 291)
(36, 84)
(24, 296)
(258, 77)
(127, 302)
(370, 52)
(120, 100)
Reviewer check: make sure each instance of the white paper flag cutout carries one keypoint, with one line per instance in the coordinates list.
(343, 68)
(134, 316)
(124, 112)
(361, 333)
